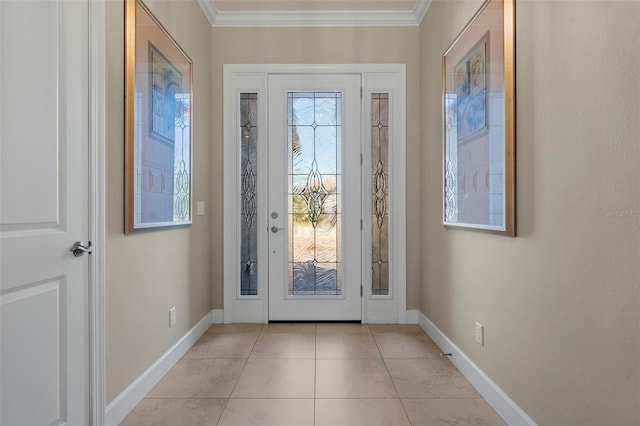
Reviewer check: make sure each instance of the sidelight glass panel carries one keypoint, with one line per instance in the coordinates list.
(380, 194)
(314, 172)
(248, 194)
(182, 160)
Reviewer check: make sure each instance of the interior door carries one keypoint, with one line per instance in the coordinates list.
(44, 210)
(314, 197)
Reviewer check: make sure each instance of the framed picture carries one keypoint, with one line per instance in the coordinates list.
(158, 148)
(478, 103)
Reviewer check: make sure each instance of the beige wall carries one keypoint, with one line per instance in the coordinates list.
(560, 303)
(149, 272)
(321, 45)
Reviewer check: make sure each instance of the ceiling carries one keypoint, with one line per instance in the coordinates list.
(297, 13)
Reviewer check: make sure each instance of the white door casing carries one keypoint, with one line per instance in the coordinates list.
(46, 135)
(376, 78)
(344, 237)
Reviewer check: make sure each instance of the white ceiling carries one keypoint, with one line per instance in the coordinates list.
(297, 13)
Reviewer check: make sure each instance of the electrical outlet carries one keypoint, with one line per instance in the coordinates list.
(480, 333)
(172, 317)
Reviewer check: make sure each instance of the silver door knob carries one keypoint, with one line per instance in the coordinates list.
(78, 249)
(275, 229)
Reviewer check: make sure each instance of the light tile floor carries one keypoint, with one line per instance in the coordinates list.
(313, 374)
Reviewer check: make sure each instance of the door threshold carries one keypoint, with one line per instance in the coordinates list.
(314, 322)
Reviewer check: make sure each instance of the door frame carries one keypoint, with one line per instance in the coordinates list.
(97, 211)
(252, 78)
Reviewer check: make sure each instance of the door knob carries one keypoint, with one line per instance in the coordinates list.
(275, 229)
(78, 249)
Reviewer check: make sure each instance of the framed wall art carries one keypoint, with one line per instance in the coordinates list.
(158, 111)
(479, 122)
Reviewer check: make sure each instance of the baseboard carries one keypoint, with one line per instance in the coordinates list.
(412, 316)
(122, 405)
(490, 391)
(218, 316)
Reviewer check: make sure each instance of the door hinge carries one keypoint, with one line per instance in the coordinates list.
(361, 94)
(361, 225)
(361, 290)
(361, 159)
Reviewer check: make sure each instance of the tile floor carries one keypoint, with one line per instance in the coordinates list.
(313, 374)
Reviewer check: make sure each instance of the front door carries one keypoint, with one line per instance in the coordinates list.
(44, 354)
(314, 197)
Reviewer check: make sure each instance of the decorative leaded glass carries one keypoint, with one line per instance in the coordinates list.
(314, 124)
(182, 159)
(451, 162)
(380, 194)
(248, 194)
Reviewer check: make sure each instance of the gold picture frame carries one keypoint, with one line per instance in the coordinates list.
(478, 104)
(158, 125)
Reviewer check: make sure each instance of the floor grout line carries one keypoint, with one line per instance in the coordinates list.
(386, 366)
(239, 375)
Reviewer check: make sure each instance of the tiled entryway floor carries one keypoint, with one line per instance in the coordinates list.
(313, 374)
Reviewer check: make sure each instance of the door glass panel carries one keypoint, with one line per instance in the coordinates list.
(248, 194)
(314, 124)
(380, 194)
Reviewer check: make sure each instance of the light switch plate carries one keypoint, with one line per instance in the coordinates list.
(480, 333)
(200, 208)
(172, 317)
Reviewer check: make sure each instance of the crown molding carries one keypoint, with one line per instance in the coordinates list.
(209, 9)
(314, 19)
(420, 10)
(375, 18)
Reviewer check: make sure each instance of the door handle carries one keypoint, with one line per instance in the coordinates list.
(78, 249)
(275, 229)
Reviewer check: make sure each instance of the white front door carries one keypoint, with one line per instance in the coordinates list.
(314, 197)
(44, 209)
